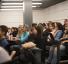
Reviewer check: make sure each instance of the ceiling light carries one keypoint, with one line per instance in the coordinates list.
(34, 6)
(10, 9)
(20, 0)
(15, 6)
(13, 9)
(37, 3)
(19, 3)
(12, 0)
(11, 6)
(36, 0)
(12, 3)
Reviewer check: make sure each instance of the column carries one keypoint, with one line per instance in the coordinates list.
(27, 12)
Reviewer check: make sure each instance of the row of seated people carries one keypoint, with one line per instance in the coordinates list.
(17, 44)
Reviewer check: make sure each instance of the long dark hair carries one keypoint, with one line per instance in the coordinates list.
(39, 29)
(4, 29)
(59, 25)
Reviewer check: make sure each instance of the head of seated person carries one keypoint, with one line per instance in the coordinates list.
(37, 30)
(64, 39)
(65, 35)
(14, 31)
(66, 22)
(51, 26)
(3, 31)
(55, 26)
(22, 29)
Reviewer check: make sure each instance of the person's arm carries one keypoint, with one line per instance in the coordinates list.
(4, 56)
(64, 40)
(58, 36)
(12, 54)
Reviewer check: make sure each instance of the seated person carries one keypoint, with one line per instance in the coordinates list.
(3, 41)
(64, 41)
(4, 56)
(65, 36)
(4, 46)
(23, 34)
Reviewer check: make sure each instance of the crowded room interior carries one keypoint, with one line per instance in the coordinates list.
(33, 31)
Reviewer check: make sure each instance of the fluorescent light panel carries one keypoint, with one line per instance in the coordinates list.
(14, 6)
(36, 0)
(20, 3)
(20, 0)
(34, 6)
(37, 3)
(11, 6)
(10, 9)
(12, 3)
(12, 0)
(13, 9)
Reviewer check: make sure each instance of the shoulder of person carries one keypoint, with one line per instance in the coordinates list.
(1, 48)
(59, 31)
(4, 56)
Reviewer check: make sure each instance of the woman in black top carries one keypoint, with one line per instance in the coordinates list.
(37, 38)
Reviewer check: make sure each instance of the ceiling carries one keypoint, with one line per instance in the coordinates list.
(50, 3)
(37, 4)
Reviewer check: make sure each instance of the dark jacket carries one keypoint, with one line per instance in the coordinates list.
(4, 43)
(38, 40)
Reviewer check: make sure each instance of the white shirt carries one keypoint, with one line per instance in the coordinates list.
(4, 56)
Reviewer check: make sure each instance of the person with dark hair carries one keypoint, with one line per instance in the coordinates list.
(3, 41)
(4, 46)
(4, 29)
(64, 41)
(14, 31)
(60, 26)
(37, 38)
(65, 21)
(34, 24)
(47, 35)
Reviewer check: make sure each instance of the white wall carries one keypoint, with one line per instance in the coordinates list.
(15, 18)
(57, 12)
(11, 18)
(38, 16)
